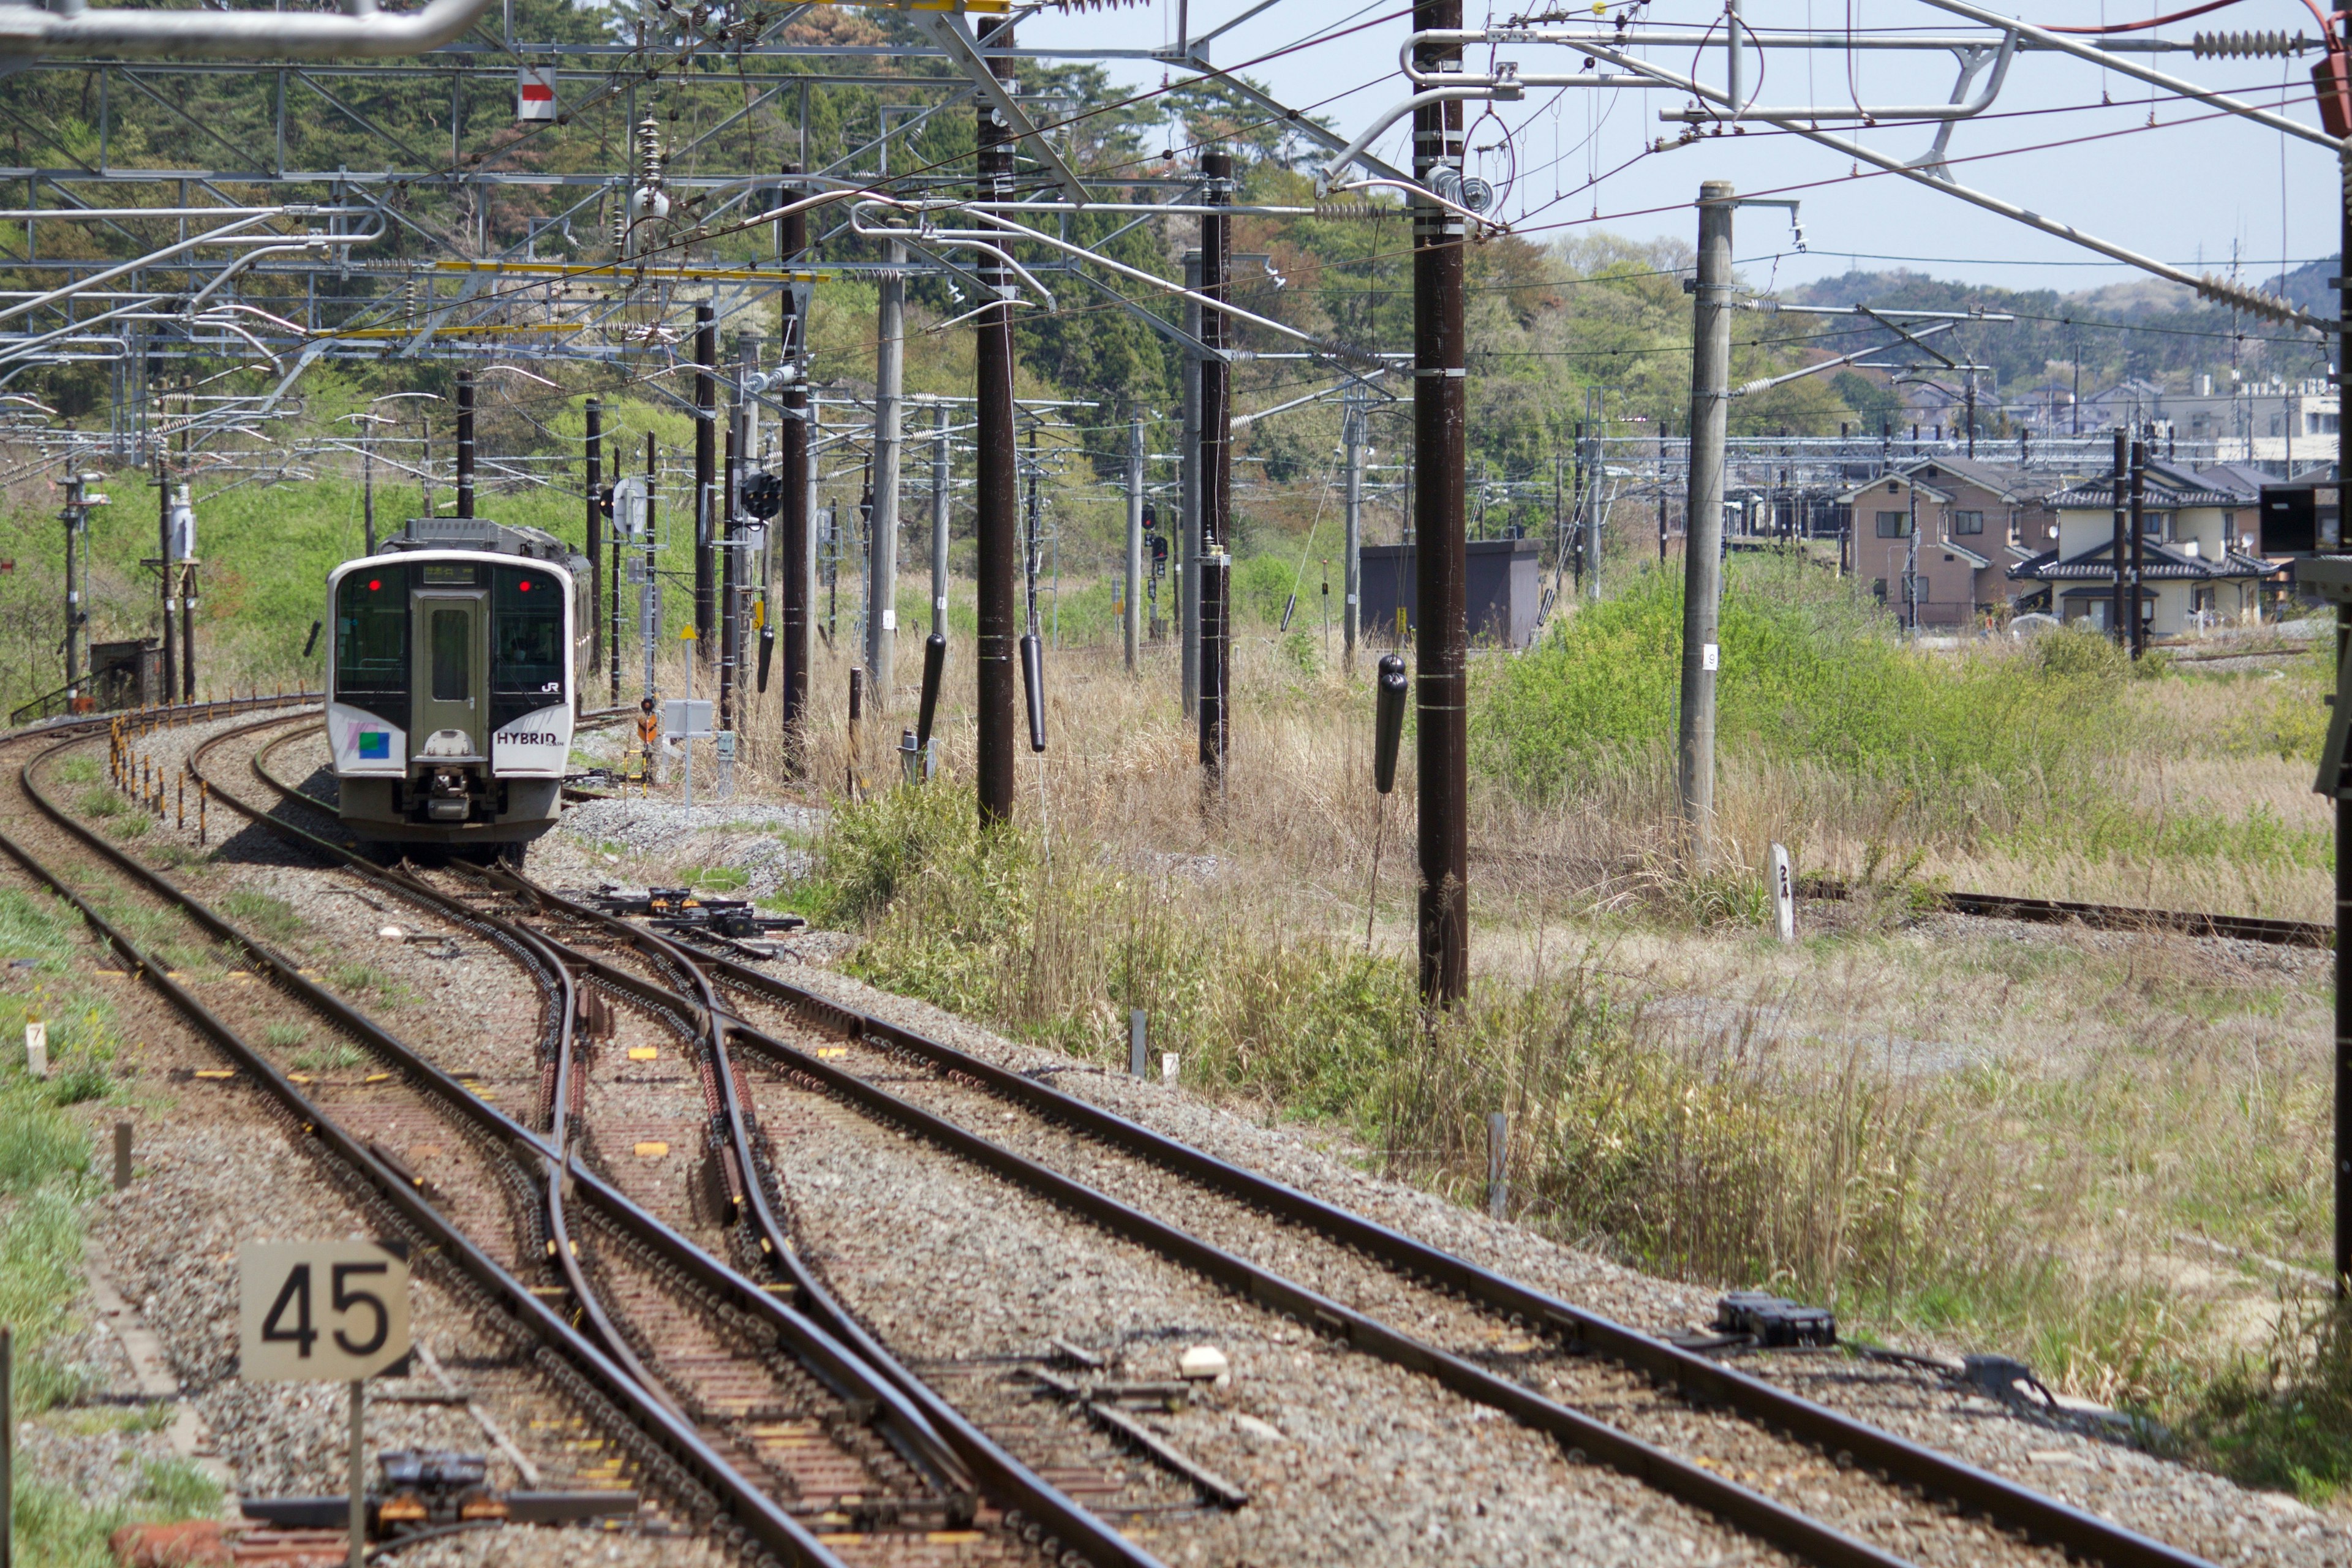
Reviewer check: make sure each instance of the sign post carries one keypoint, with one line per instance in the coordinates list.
(325, 1311)
(1784, 894)
(688, 720)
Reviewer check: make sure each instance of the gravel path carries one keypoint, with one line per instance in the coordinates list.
(2081, 1463)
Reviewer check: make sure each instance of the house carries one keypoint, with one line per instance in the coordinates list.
(2198, 553)
(1975, 521)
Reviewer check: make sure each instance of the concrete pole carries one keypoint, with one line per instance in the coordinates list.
(997, 524)
(2343, 807)
(465, 443)
(882, 531)
(164, 568)
(1703, 515)
(941, 498)
(1188, 509)
(1351, 435)
(1132, 615)
(1215, 469)
(705, 482)
(1440, 437)
(796, 472)
(592, 482)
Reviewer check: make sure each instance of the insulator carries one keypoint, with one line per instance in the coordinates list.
(650, 159)
(2243, 46)
(2251, 300)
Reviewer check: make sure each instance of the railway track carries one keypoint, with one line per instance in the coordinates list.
(1813, 1481)
(754, 1426)
(699, 1334)
(2103, 917)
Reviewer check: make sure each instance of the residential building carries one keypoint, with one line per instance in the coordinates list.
(2198, 553)
(1975, 522)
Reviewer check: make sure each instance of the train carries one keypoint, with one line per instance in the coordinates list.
(453, 683)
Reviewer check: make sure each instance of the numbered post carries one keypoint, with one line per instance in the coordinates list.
(325, 1311)
(1784, 894)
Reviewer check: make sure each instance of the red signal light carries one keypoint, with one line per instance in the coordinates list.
(374, 583)
(523, 586)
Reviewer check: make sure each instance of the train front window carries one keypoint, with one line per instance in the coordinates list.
(527, 632)
(372, 631)
(451, 631)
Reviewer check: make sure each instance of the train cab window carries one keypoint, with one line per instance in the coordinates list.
(372, 631)
(527, 632)
(451, 635)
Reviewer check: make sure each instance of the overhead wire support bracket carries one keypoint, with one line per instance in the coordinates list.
(955, 36)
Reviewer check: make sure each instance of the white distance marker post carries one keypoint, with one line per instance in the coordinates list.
(1784, 894)
(325, 1311)
(36, 1048)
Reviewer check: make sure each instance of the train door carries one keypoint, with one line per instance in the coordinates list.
(452, 633)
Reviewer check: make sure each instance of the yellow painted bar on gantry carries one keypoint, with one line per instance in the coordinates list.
(645, 274)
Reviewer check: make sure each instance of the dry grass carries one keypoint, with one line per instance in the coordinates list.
(1984, 1136)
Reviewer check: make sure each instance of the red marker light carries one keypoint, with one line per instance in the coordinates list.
(374, 583)
(524, 585)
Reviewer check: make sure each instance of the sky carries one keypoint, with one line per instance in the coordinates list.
(2184, 192)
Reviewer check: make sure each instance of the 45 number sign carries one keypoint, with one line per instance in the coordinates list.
(321, 1312)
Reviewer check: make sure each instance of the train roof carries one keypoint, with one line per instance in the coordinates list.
(481, 534)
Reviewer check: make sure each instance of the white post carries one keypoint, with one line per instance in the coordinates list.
(1784, 894)
(1133, 616)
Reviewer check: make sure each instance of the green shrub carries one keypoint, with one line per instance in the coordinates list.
(102, 803)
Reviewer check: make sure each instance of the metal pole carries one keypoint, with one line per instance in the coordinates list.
(1441, 639)
(882, 531)
(593, 479)
(727, 470)
(1352, 434)
(367, 489)
(75, 514)
(1131, 617)
(8, 1445)
(2343, 807)
(1188, 482)
(465, 443)
(1911, 558)
(705, 524)
(163, 570)
(649, 591)
(998, 496)
(941, 496)
(2121, 483)
(188, 633)
(796, 472)
(358, 1520)
(1216, 471)
(1703, 513)
(2137, 622)
(1574, 539)
(1588, 498)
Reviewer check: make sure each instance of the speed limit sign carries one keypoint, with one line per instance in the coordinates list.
(321, 1312)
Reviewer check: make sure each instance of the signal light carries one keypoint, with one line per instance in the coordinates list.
(523, 586)
(374, 583)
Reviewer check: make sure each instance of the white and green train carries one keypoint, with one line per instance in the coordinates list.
(453, 684)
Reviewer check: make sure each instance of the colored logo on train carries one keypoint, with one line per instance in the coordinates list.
(376, 745)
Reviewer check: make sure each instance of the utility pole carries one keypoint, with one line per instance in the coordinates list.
(1442, 637)
(2121, 484)
(1570, 530)
(794, 472)
(941, 498)
(1216, 469)
(2343, 807)
(649, 590)
(1911, 555)
(1188, 502)
(1351, 435)
(367, 487)
(595, 480)
(882, 530)
(706, 525)
(2137, 622)
(612, 608)
(164, 568)
(731, 456)
(1588, 498)
(1972, 412)
(188, 570)
(998, 493)
(77, 520)
(1703, 512)
(1131, 608)
(465, 443)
